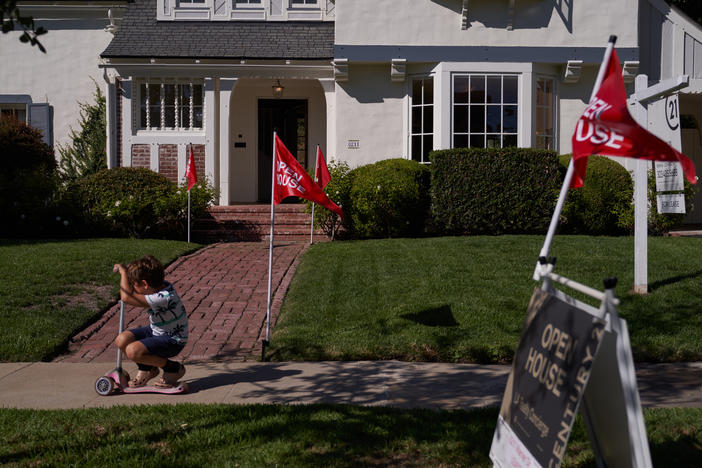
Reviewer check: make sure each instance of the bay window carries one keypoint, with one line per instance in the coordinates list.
(421, 119)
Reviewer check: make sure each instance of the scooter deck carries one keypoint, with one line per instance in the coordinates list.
(180, 388)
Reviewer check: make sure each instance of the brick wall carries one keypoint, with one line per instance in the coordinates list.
(199, 154)
(168, 161)
(141, 156)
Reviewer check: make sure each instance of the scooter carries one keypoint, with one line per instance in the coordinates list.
(117, 380)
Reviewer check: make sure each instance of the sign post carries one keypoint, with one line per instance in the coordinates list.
(643, 95)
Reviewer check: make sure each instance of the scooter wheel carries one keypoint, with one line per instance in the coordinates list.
(104, 386)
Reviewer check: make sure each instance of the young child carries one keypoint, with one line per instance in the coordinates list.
(142, 284)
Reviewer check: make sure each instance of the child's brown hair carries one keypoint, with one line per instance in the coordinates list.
(146, 268)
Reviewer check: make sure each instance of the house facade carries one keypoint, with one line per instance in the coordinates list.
(44, 89)
(371, 79)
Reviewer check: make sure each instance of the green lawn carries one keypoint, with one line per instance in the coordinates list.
(52, 289)
(464, 298)
(298, 435)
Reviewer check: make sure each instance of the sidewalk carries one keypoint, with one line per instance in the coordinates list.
(375, 383)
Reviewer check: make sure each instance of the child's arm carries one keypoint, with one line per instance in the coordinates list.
(126, 289)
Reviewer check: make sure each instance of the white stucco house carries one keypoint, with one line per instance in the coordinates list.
(364, 79)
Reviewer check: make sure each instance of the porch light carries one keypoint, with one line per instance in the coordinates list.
(278, 89)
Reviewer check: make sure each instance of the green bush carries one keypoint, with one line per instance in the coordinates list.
(603, 205)
(28, 181)
(494, 191)
(389, 199)
(339, 191)
(135, 202)
(659, 223)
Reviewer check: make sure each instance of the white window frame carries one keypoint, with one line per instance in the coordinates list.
(554, 109)
(151, 122)
(484, 76)
(422, 105)
(314, 4)
(191, 3)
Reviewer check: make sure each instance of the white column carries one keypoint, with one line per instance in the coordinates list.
(329, 87)
(127, 119)
(226, 87)
(211, 123)
(527, 110)
(442, 108)
(110, 98)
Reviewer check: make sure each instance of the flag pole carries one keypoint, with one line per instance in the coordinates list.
(571, 166)
(186, 165)
(270, 258)
(316, 181)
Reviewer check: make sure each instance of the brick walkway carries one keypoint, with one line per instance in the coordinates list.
(223, 287)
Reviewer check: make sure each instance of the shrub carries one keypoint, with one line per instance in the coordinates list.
(494, 191)
(659, 223)
(135, 202)
(603, 205)
(28, 180)
(389, 199)
(87, 154)
(339, 191)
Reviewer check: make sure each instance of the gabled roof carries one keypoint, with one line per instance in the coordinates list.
(140, 35)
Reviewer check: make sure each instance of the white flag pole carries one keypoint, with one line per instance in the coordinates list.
(270, 257)
(316, 181)
(571, 168)
(187, 164)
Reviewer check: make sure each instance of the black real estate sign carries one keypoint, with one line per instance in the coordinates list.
(549, 374)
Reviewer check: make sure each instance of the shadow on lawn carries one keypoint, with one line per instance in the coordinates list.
(672, 280)
(441, 316)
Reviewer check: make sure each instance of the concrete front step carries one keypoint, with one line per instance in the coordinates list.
(252, 223)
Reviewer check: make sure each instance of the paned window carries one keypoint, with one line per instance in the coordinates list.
(247, 2)
(170, 106)
(422, 119)
(14, 111)
(485, 111)
(303, 2)
(186, 3)
(545, 109)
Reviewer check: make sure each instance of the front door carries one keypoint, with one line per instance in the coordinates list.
(287, 117)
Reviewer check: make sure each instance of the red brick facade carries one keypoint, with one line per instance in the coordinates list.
(199, 154)
(141, 156)
(168, 161)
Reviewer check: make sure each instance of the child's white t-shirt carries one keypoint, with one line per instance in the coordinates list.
(167, 315)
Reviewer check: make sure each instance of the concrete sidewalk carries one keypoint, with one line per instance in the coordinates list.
(62, 385)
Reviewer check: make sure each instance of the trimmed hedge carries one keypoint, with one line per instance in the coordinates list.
(604, 204)
(389, 198)
(494, 191)
(134, 202)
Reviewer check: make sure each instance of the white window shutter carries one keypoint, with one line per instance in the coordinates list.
(41, 118)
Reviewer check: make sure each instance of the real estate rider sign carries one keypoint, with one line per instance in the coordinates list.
(549, 373)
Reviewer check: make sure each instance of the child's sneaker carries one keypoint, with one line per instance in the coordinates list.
(143, 377)
(170, 379)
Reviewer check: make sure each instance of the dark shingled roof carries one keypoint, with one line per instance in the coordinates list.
(140, 35)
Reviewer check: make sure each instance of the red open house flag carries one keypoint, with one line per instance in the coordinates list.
(291, 180)
(607, 128)
(190, 172)
(321, 173)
